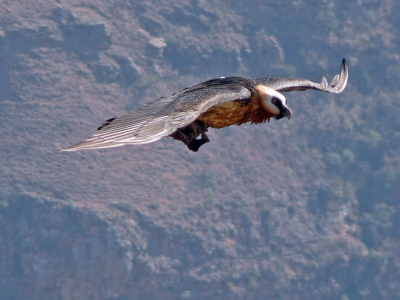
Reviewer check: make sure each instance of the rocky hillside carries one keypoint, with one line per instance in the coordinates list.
(301, 209)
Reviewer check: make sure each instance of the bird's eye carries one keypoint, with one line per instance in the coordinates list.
(274, 101)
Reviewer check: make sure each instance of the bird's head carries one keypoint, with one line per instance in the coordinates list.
(273, 102)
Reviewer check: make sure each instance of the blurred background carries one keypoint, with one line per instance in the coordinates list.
(301, 209)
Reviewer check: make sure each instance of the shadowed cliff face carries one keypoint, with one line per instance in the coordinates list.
(299, 209)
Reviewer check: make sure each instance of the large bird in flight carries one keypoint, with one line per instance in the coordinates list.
(215, 103)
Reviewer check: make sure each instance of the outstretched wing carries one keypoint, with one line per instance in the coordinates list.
(337, 85)
(160, 118)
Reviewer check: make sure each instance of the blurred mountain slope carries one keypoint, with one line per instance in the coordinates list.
(299, 209)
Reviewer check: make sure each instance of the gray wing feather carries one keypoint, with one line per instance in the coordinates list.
(160, 118)
(337, 85)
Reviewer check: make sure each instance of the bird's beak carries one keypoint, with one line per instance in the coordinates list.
(287, 113)
(284, 112)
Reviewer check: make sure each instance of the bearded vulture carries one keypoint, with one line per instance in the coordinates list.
(215, 103)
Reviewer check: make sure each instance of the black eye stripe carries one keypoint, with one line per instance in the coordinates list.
(278, 102)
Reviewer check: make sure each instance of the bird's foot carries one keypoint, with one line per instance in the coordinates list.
(195, 144)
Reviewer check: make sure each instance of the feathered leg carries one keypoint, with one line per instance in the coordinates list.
(188, 135)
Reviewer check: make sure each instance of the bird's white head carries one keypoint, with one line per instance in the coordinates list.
(273, 102)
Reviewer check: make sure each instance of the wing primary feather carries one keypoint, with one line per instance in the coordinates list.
(335, 80)
(324, 82)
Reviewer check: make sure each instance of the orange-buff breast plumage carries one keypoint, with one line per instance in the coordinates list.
(236, 112)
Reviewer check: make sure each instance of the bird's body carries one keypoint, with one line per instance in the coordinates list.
(237, 112)
(215, 103)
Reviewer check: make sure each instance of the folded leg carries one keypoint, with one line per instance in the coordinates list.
(188, 135)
